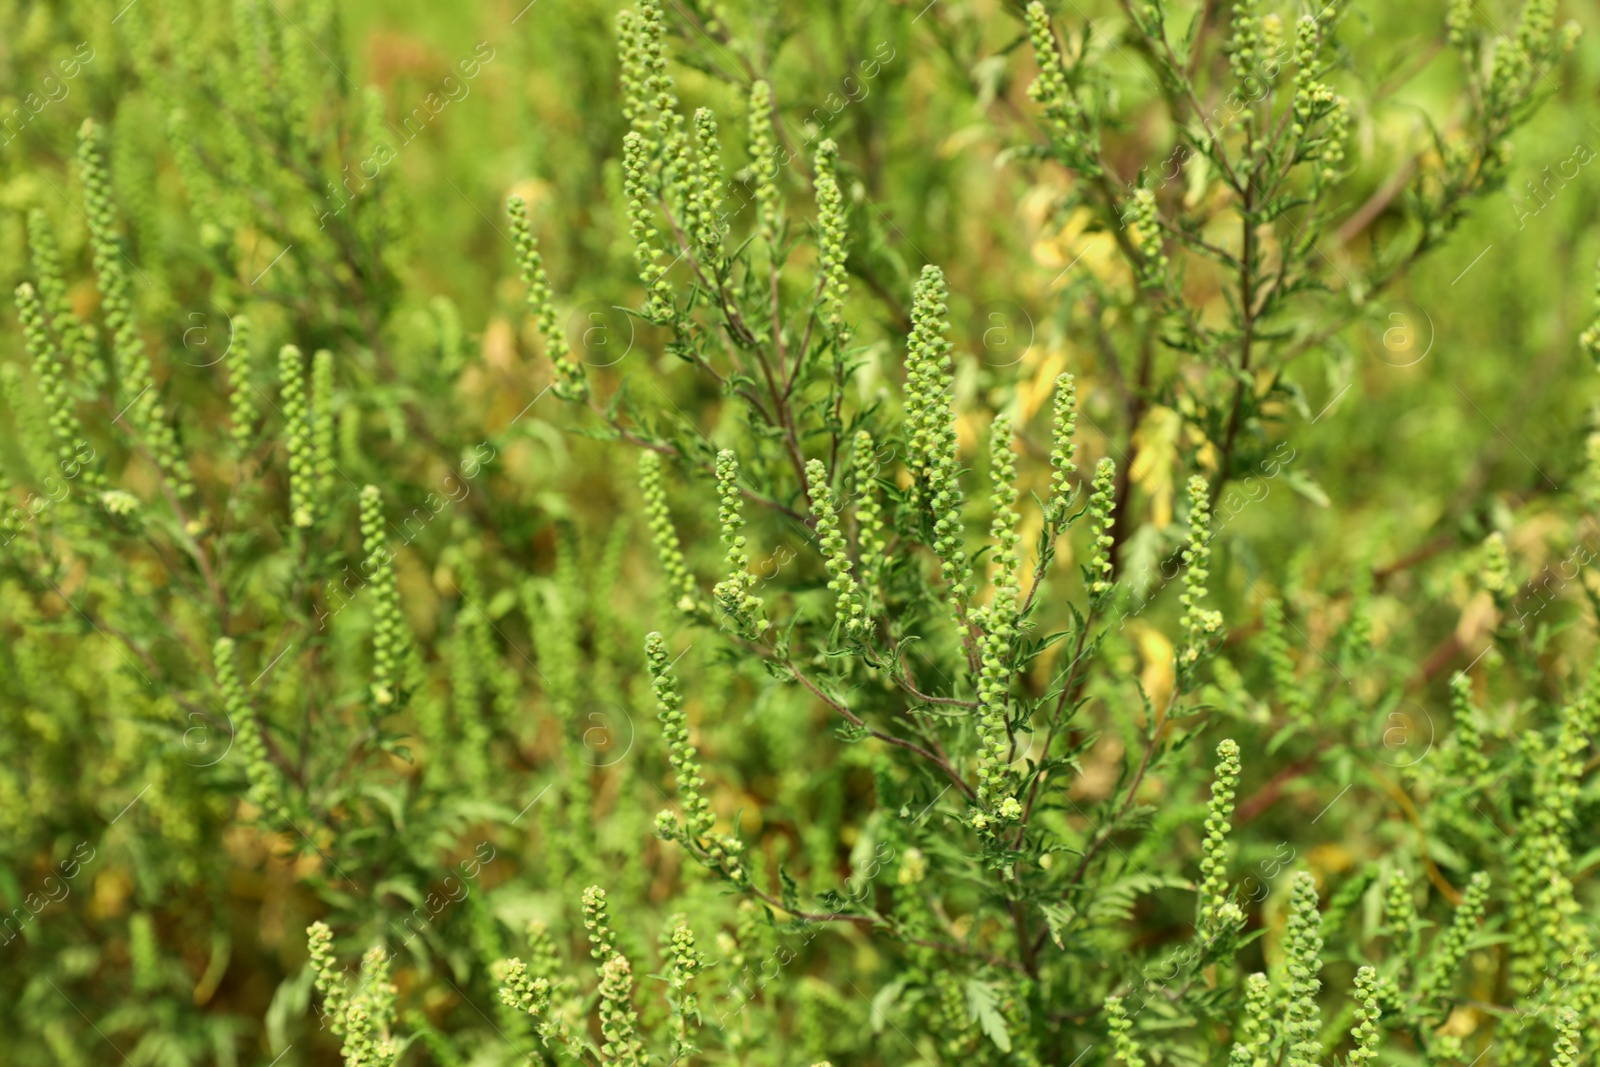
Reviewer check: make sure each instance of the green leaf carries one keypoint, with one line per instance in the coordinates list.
(1307, 486)
(984, 1009)
(1059, 916)
(884, 1001)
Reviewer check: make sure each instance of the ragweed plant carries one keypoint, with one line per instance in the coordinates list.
(964, 668)
(320, 614)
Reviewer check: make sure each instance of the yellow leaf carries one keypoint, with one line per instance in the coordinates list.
(1332, 858)
(1155, 657)
(970, 430)
(499, 344)
(1156, 448)
(1034, 390)
(1028, 530)
(533, 192)
(1100, 770)
(1071, 249)
(1478, 619)
(111, 888)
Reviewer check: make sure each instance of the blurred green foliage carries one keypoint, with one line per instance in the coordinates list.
(354, 632)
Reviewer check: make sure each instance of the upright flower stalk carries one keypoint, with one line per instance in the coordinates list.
(832, 243)
(388, 628)
(570, 382)
(136, 389)
(736, 594)
(697, 821)
(999, 626)
(680, 583)
(931, 434)
(1303, 1018)
(1063, 448)
(1214, 861)
(297, 433)
(1199, 623)
(849, 611)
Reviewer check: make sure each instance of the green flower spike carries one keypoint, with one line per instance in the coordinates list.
(1102, 520)
(1497, 569)
(1064, 447)
(570, 382)
(328, 979)
(1125, 1049)
(832, 243)
(597, 921)
(1051, 91)
(1199, 624)
(1143, 221)
(619, 1023)
(763, 164)
(638, 187)
(388, 630)
(705, 183)
(684, 962)
(297, 429)
(1254, 1035)
(322, 428)
(999, 620)
(931, 419)
(136, 388)
(680, 583)
(1450, 950)
(1303, 1018)
(1568, 1039)
(50, 370)
(870, 543)
(258, 769)
(681, 753)
(736, 593)
(1364, 1035)
(1214, 857)
(241, 407)
(851, 613)
(75, 343)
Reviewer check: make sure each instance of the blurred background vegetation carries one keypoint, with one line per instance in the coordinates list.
(1457, 405)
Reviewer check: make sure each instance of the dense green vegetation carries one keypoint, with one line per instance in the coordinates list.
(965, 532)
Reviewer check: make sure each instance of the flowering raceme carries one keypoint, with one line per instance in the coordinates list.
(395, 682)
